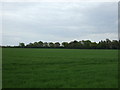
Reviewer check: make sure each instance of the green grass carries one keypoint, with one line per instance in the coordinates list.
(59, 68)
(0, 68)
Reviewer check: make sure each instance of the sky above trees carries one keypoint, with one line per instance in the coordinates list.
(58, 21)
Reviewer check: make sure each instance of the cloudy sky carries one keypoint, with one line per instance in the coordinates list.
(58, 21)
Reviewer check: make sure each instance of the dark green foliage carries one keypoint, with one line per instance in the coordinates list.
(22, 45)
(51, 45)
(84, 44)
(45, 44)
(57, 45)
(93, 45)
(59, 68)
(65, 44)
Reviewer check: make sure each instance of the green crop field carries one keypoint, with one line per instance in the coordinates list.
(59, 68)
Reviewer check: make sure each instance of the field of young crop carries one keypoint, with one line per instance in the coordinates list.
(59, 68)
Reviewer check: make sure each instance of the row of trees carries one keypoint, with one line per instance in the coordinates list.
(84, 44)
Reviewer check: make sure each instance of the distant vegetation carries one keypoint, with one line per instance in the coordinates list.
(84, 44)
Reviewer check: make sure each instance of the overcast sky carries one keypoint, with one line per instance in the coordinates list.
(57, 22)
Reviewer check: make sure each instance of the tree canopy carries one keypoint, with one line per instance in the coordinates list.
(84, 44)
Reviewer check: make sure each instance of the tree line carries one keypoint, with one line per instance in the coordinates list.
(84, 44)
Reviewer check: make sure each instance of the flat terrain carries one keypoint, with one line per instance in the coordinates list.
(59, 68)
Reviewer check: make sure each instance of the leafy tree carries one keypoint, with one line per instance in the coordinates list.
(84, 44)
(80, 45)
(30, 45)
(115, 44)
(57, 45)
(101, 45)
(45, 44)
(35, 44)
(93, 45)
(108, 44)
(74, 44)
(40, 44)
(65, 44)
(51, 44)
(22, 45)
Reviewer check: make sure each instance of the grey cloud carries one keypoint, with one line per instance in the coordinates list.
(59, 21)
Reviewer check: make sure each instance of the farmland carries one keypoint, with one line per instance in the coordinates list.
(59, 68)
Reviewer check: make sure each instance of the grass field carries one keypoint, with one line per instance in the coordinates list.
(59, 68)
